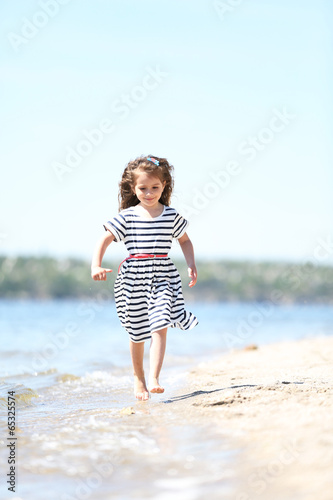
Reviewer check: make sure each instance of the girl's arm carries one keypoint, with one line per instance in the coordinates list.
(98, 273)
(187, 248)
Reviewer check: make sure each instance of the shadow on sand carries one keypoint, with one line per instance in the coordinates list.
(198, 393)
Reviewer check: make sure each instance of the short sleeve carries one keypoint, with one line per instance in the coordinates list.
(117, 226)
(179, 227)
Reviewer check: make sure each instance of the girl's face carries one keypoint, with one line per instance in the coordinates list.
(148, 189)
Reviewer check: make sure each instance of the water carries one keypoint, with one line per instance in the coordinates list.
(80, 432)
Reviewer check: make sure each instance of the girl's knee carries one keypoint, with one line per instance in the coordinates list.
(161, 332)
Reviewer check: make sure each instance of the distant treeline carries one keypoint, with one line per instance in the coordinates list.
(45, 277)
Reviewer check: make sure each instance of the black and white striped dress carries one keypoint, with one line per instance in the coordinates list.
(148, 291)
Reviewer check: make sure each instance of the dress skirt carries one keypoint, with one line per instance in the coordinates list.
(149, 297)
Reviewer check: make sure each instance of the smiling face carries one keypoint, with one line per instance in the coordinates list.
(148, 189)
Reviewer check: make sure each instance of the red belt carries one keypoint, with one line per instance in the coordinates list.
(142, 256)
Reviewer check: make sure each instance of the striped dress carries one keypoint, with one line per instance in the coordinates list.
(148, 291)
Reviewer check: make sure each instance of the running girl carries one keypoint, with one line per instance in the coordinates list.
(148, 290)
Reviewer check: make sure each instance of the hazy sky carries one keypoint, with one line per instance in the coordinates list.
(236, 94)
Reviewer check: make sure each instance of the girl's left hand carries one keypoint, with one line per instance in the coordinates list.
(192, 272)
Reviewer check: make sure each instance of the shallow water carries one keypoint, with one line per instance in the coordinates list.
(85, 437)
(80, 433)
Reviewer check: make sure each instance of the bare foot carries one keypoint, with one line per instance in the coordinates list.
(155, 387)
(140, 389)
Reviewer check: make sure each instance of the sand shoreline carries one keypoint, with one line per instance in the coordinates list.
(274, 405)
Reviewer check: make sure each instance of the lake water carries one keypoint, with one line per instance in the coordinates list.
(69, 365)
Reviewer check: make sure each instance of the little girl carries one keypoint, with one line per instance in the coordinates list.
(148, 290)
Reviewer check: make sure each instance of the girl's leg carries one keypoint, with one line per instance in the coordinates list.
(140, 389)
(157, 351)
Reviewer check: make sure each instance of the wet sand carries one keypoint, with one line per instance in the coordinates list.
(252, 424)
(274, 406)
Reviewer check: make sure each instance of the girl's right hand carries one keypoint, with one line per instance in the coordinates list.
(99, 273)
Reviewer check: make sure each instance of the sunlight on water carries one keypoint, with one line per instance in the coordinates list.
(82, 435)
(79, 437)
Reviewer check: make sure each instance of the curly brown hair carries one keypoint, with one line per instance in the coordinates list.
(127, 198)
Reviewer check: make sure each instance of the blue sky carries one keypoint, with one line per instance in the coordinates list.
(237, 93)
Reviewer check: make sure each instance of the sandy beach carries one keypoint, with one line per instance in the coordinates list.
(252, 423)
(274, 403)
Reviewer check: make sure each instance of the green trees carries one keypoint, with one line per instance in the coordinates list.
(46, 277)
